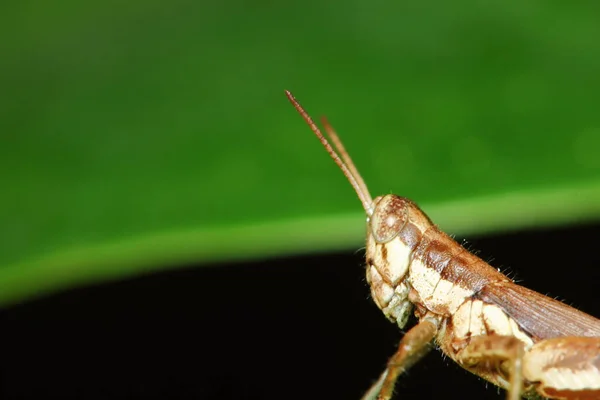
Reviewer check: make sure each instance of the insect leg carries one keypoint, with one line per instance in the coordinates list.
(496, 353)
(413, 346)
(565, 368)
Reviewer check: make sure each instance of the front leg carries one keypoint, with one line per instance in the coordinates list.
(413, 346)
(565, 368)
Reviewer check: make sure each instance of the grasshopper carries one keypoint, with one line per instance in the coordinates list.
(520, 340)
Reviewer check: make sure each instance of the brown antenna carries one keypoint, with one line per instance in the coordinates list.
(344, 161)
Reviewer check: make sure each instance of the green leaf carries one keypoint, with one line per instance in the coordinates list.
(143, 134)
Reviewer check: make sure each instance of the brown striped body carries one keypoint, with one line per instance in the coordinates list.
(411, 262)
(511, 336)
(412, 251)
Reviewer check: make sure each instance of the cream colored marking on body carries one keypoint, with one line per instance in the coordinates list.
(423, 279)
(467, 318)
(498, 322)
(386, 272)
(474, 318)
(567, 379)
(519, 334)
(395, 266)
(537, 367)
(437, 298)
(450, 294)
(434, 291)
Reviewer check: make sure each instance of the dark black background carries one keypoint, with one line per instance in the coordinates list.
(291, 328)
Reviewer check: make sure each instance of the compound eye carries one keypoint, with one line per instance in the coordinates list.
(389, 217)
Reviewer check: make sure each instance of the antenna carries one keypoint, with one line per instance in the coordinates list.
(344, 162)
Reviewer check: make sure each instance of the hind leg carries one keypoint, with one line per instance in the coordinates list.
(565, 368)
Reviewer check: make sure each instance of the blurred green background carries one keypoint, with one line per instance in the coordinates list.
(140, 134)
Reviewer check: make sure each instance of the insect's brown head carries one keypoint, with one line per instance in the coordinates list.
(388, 256)
(389, 217)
